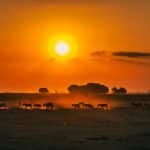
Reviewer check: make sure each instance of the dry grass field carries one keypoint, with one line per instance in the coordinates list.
(120, 129)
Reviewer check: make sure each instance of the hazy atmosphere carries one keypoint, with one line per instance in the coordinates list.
(108, 42)
(74, 74)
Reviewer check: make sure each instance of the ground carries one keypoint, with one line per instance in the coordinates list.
(121, 129)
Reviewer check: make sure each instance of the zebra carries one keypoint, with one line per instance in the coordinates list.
(49, 106)
(102, 106)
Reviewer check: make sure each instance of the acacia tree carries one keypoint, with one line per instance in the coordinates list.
(43, 90)
(89, 88)
(73, 89)
(120, 90)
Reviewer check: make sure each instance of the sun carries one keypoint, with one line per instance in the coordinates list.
(62, 48)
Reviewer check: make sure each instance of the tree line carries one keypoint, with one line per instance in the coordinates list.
(90, 88)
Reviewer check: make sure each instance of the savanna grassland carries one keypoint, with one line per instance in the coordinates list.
(120, 129)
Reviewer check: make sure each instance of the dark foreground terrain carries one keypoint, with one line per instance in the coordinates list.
(75, 130)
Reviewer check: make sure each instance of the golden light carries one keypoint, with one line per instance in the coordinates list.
(62, 48)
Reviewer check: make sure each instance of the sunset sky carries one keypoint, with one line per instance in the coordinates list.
(109, 42)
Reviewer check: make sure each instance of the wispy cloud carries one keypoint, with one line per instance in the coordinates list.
(131, 54)
(98, 53)
(142, 58)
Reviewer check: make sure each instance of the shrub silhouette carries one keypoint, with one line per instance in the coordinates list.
(120, 90)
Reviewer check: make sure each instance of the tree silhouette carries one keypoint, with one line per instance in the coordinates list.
(43, 90)
(89, 88)
(120, 90)
(73, 89)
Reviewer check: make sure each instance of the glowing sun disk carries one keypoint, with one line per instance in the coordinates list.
(62, 48)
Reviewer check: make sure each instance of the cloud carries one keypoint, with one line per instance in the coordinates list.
(141, 58)
(131, 54)
(131, 61)
(98, 53)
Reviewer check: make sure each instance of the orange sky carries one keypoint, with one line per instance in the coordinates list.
(98, 29)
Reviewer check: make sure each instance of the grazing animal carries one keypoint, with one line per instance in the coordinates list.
(76, 106)
(49, 106)
(27, 106)
(81, 103)
(37, 106)
(3, 106)
(102, 106)
(84, 105)
(88, 106)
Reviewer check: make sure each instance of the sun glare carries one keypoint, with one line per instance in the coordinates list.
(62, 48)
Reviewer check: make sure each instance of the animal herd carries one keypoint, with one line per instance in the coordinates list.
(46, 106)
(82, 105)
(29, 106)
(76, 106)
(51, 106)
